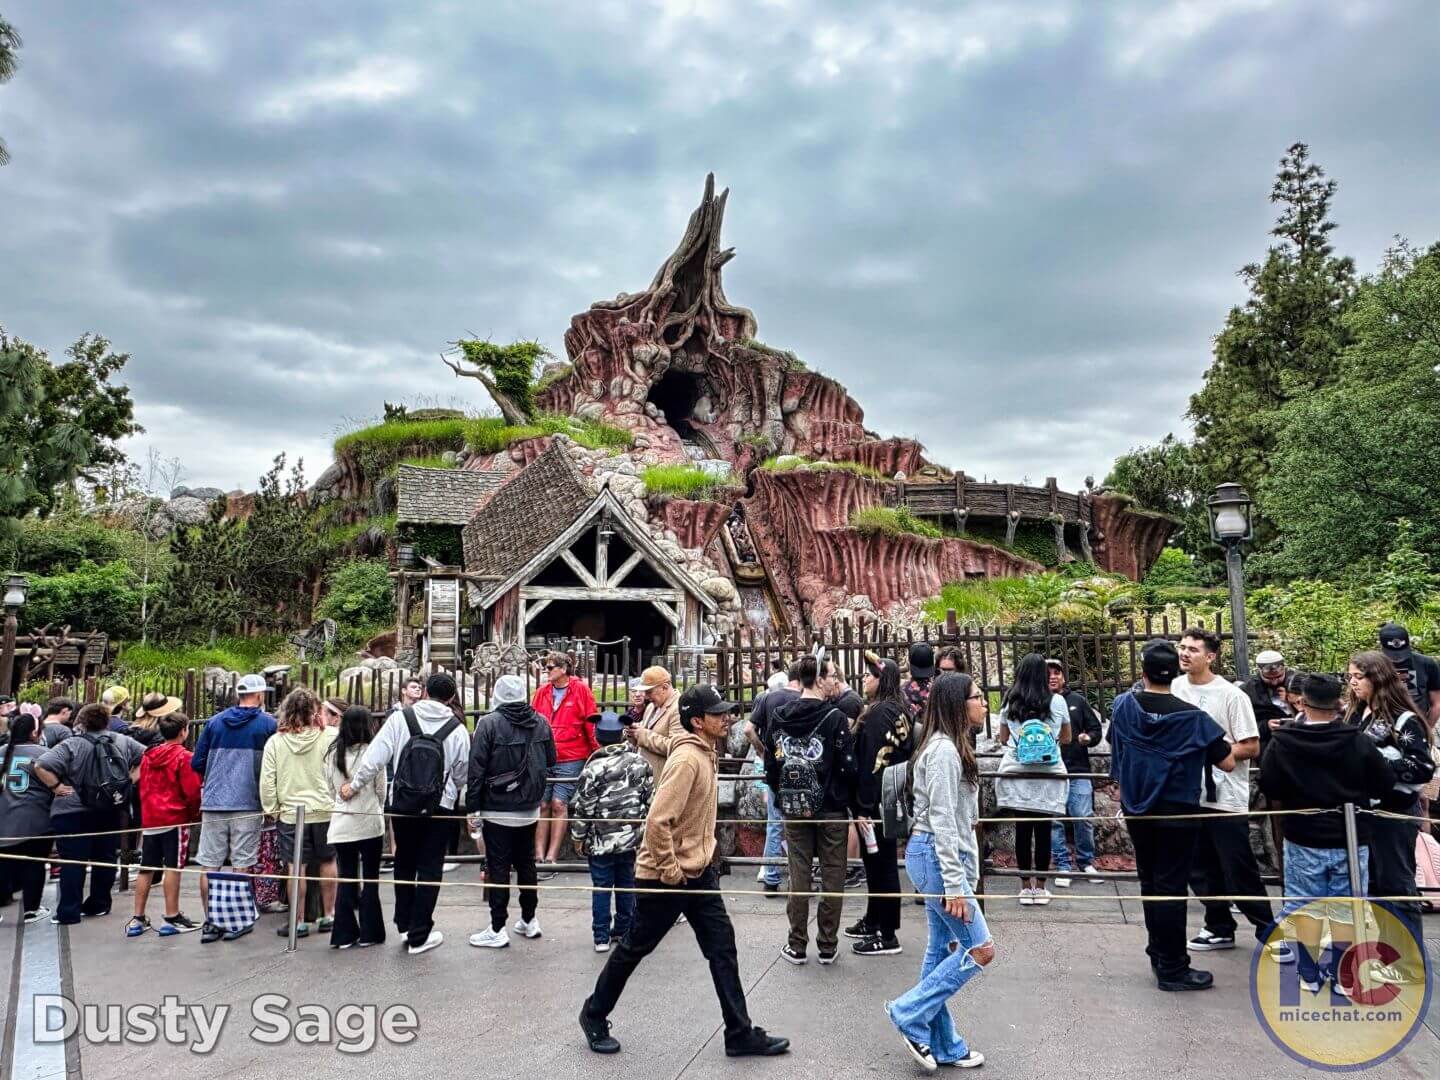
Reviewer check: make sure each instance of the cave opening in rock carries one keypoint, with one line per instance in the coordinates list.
(676, 395)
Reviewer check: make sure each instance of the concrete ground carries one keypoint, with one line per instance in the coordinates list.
(1069, 994)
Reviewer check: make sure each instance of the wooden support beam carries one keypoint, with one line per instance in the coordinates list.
(671, 615)
(625, 568)
(574, 592)
(575, 564)
(531, 610)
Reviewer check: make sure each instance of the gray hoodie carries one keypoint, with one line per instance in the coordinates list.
(947, 806)
(394, 734)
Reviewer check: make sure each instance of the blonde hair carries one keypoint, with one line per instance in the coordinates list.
(299, 710)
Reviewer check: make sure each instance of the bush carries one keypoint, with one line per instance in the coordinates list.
(359, 591)
(1034, 540)
(1174, 568)
(58, 544)
(686, 481)
(491, 434)
(90, 597)
(892, 521)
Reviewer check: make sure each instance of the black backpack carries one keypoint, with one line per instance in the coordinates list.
(420, 775)
(106, 784)
(802, 795)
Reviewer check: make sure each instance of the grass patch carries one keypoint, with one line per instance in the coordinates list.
(686, 481)
(791, 462)
(553, 376)
(792, 362)
(428, 461)
(340, 537)
(381, 446)
(892, 521)
(490, 434)
(232, 653)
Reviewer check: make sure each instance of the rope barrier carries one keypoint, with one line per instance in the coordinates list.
(670, 890)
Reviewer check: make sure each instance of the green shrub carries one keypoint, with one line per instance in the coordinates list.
(58, 544)
(1173, 568)
(381, 446)
(90, 597)
(491, 434)
(1034, 540)
(686, 481)
(792, 362)
(358, 591)
(892, 521)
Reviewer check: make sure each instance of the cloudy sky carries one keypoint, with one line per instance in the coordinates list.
(1010, 229)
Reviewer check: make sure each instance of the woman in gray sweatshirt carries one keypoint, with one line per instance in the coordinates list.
(942, 860)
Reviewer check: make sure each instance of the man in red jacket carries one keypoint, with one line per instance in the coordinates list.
(169, 804)
(567, 703)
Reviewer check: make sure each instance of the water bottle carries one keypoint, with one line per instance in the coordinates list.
(867, 833)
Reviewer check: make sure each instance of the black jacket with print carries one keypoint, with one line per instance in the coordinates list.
(1405, 744)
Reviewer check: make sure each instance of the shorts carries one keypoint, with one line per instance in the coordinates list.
(164, 850)
(317, 842)
(559, 791)
(230, 838)
(1315, 873)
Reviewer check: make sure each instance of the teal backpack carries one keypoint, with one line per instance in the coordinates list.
(1035, 744)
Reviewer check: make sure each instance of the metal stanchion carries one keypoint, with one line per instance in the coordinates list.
(297, 867)
(1352, 857)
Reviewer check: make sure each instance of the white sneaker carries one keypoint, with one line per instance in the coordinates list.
(529, 929)
(432, 942)
(760, 876)
(1027, 897)
(42, 912)
(602, 946)
(449, 867)
(1281, 952)
(1061, 882)
(1090, 871)
(1040, 897)
(490, 938)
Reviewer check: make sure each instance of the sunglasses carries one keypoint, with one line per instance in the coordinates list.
(1272, 668)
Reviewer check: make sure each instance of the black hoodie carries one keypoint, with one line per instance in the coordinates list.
(498, 747)
(1323, 766)
(834, 754)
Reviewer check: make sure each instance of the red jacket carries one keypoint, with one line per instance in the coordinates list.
(169, 787)
(574, 738)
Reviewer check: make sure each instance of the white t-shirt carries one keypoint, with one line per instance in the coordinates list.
(1229, 707)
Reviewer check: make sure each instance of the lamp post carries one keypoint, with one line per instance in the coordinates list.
(15, 590)
(1231, 526)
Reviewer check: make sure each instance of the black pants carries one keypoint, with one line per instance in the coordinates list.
(1392, 869)
(1032, 839)
(419, 856)
(358, 916)
(27, 876)
(1225, 866)
(655, 914)
(98, 851)
(882, 875)
(1164, 856)
(508, 846)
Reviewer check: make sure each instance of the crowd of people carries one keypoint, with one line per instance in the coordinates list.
(847, 775)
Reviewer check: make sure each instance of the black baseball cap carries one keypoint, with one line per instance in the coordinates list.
(922, 660)
(703, 699)
(1322, 691)
(1160, 662)
(1395, 641)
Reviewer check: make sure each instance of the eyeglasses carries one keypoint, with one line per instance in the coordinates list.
(1270, 669)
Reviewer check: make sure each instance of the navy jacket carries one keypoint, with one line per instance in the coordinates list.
(1159, 759)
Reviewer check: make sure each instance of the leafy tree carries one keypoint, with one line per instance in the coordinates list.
(1167, 477)
(202, 594)
(1284, 342)
(1174, 569)
(90, 597)
(9, 45)
(279, 551)
(1357, 456)
(1406, 581)
(508, 372)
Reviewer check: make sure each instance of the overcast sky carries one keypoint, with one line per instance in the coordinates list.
(1011, 230)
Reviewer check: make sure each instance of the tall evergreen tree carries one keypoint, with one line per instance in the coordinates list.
(1284, 341)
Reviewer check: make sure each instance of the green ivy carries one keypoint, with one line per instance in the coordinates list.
(440, 542)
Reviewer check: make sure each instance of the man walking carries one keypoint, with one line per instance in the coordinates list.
(1225, 864)
(1160, 750)
(674, 870)
(809, 767)
(426, 746)
(227, 758)
(509, 756)
(1086, 731)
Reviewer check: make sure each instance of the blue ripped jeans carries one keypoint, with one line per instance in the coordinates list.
(921, 1013)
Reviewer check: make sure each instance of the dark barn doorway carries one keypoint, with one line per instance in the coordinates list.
(649, 632)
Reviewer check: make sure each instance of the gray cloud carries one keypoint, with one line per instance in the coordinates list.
(1010, 230)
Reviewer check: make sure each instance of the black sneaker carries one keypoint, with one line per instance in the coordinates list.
(755, 1042)
(973, 1059)
(1205, 941)
(1191, 980)
(920, 1052)
(177, 924)
(860, 931)
(791, 956)
(210, 933)
(772, 890)
(855, 878)
(232, 935)
(877, 945)
(597, 1032)
(828, 958)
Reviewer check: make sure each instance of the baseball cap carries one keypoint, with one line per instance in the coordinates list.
(1395, 641)
(1160, 662)
(114, 697)
(653, 677)
(251, 684)
(703, 699)
(1322, 691)
(1058, 665)
(922, 660)
(1268, 657)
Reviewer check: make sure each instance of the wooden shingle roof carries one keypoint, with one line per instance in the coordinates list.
(525, 515)
(443, 496)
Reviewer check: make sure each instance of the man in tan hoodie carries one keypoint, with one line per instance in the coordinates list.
(660, 726)
(674, 877)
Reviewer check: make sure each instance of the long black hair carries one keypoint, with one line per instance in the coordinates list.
(356, 728)
(947, 717)
(22, 730)
(1028, 697)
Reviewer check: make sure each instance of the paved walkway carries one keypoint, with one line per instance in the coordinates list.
(1069, 994)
